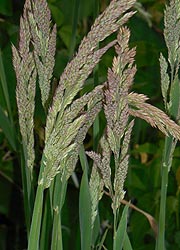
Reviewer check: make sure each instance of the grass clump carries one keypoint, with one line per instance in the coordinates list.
(70, 111)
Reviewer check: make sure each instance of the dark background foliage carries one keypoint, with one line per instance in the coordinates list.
(143, 181)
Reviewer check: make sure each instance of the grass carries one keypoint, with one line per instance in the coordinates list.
(78, 110)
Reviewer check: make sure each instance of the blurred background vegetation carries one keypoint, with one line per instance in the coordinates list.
(73, 19)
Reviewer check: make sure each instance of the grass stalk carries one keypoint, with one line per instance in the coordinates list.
(28, 182)
(114, 230)
(35, 230)
(25, 196)
(34, 236)
(166, 165)
(59, 193)
(56, 243)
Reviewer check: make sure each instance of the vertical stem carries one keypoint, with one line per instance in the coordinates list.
(115, 212)
(27, 187)
(166, 164)
(114, 233)
(59, 194)
(25, 195)
(34, 236)
(56, 243)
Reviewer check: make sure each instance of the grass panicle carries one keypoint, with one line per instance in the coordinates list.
(72, 81)
(26, 74)
(154, 116)
(172, 33)
(44, 43)
(118, 130)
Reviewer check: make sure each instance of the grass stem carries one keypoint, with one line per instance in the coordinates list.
(166, 164)
(34, 236)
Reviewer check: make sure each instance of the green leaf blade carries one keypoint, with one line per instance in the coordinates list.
(119, 235)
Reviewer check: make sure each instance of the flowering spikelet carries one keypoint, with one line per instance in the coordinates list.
(122, 168)
(100, 176)
(44, 42)
(172, 32)
(154, 116)
(165, 81)
(170, 69)
(120, 79)
(96, 191)
(69, 120)
(118, 130)
(34, 57)
(62, 146)
(87, 57)
(24, 66)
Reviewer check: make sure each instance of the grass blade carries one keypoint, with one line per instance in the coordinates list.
(85, 205)
(127, 243)
(119, 235)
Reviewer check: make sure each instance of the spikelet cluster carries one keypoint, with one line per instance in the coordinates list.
(68, 120)
(116, 108)
(26, 74)
(34, 59)
(77, 71)
(172, 32)
(118, 130)
(62, 147)
(154, 116)
(170, 69)
(44, 42)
